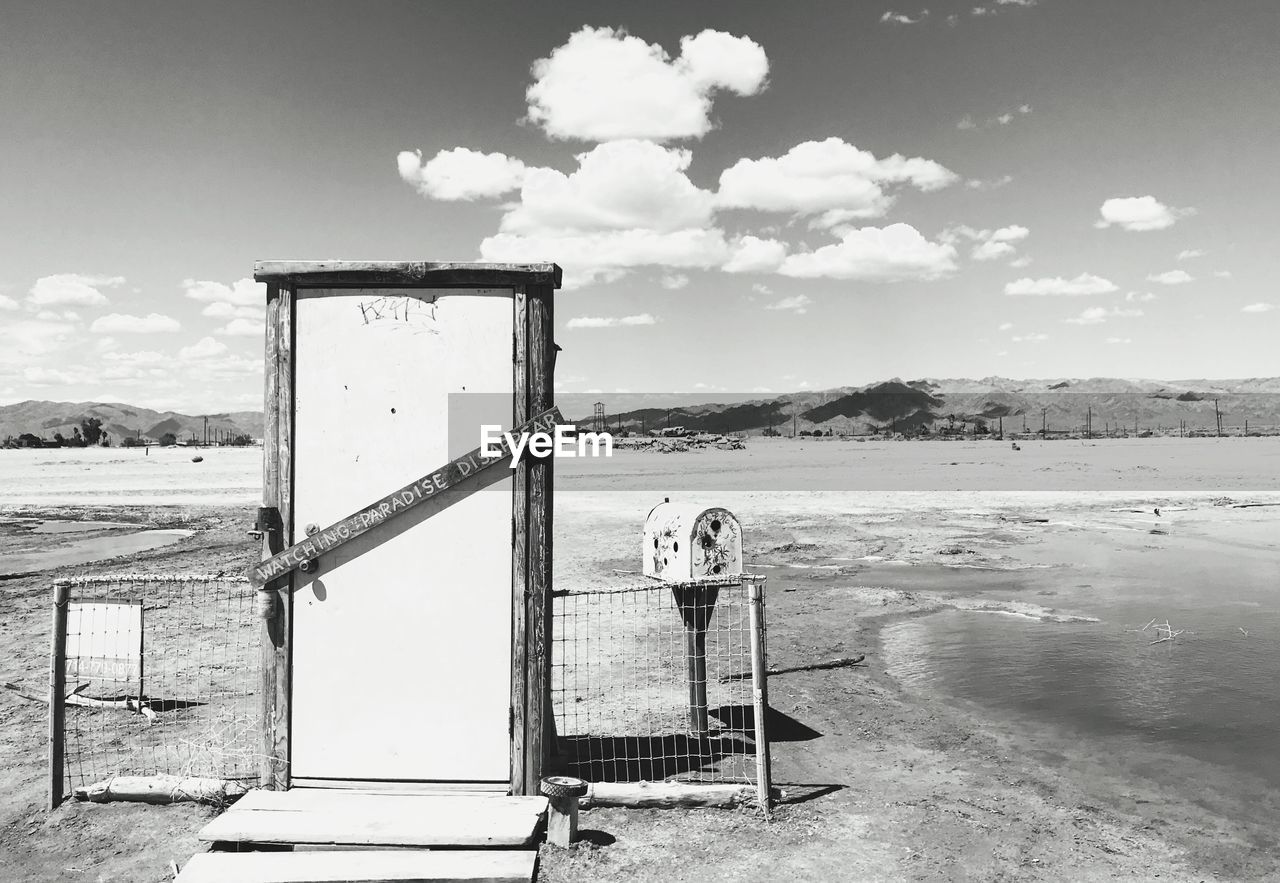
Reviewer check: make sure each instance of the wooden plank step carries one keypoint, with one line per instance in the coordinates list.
(353, 818)
(309, 799)
(368, 866)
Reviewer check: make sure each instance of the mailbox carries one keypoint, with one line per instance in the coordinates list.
(684, 542)
(690, 547)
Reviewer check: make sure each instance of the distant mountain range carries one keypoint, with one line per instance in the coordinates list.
(1058, 405)
(122, 421)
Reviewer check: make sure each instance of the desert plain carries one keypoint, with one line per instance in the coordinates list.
(948, 564)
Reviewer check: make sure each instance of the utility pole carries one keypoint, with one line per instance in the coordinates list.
(1088, 423)
(1001, 427)
(1217, 415)
(1044, 424)
(206, 430)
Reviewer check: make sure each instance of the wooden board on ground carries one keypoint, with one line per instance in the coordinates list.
(365, 866)
(353, 818)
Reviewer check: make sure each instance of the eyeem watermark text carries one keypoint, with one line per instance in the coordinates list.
(566, 441)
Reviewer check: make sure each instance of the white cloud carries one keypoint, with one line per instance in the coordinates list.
(968, 123)
(674, 281)
(1091, 316)
(618, 186)
(608, 255)
(604, 84)
(987, 11)
(141, 357)
(1098, 315)
(1188, 253)
(1020, 262)
(244, 292)
(72, 288)
(797, 303)
(899, 18)
(1029, 338)
(1139, 296)
(41, 375)
(761, 288)
(991, 244)
(826, 176)
(754, 255)
(629, 204)
(1222, 274)
(1005, 326)
(223, 310)
(988, 183)
(460, 173)
(611, 321)
(243, 328)
(24, 339)
(1258, 308)
(1119, 340)
(7, 303)
(1085, 283)
(1171, 277)
(890, 253)
(117, 323)
(1139, 213)
(205, 348)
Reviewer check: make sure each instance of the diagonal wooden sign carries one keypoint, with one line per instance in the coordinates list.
(431, 485)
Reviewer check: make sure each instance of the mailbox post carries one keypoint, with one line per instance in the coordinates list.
(695, 549)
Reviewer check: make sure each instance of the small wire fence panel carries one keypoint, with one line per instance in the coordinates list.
(622, 677)
(162, 678)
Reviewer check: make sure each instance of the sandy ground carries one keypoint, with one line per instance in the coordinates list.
(893, 788)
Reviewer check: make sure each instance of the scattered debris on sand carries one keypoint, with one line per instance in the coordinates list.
(679, 445)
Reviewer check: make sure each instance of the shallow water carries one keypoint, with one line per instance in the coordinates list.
(1209, 695)
(87, 550)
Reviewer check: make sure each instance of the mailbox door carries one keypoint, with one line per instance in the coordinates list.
(402, 637)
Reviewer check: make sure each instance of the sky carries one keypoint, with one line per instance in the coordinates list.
(746, 197)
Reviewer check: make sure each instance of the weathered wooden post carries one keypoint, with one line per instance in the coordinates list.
(57, 689)
(760, 694)
(562, 793)
(692, 547)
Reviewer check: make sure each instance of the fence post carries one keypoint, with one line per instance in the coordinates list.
(57, 690)
(760, 694)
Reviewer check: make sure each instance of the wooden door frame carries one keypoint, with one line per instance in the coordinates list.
(532, 728)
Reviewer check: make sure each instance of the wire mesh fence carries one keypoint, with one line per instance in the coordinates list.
(162, 678)
(653, 682)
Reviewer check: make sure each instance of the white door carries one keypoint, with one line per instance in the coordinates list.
(402, 637)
